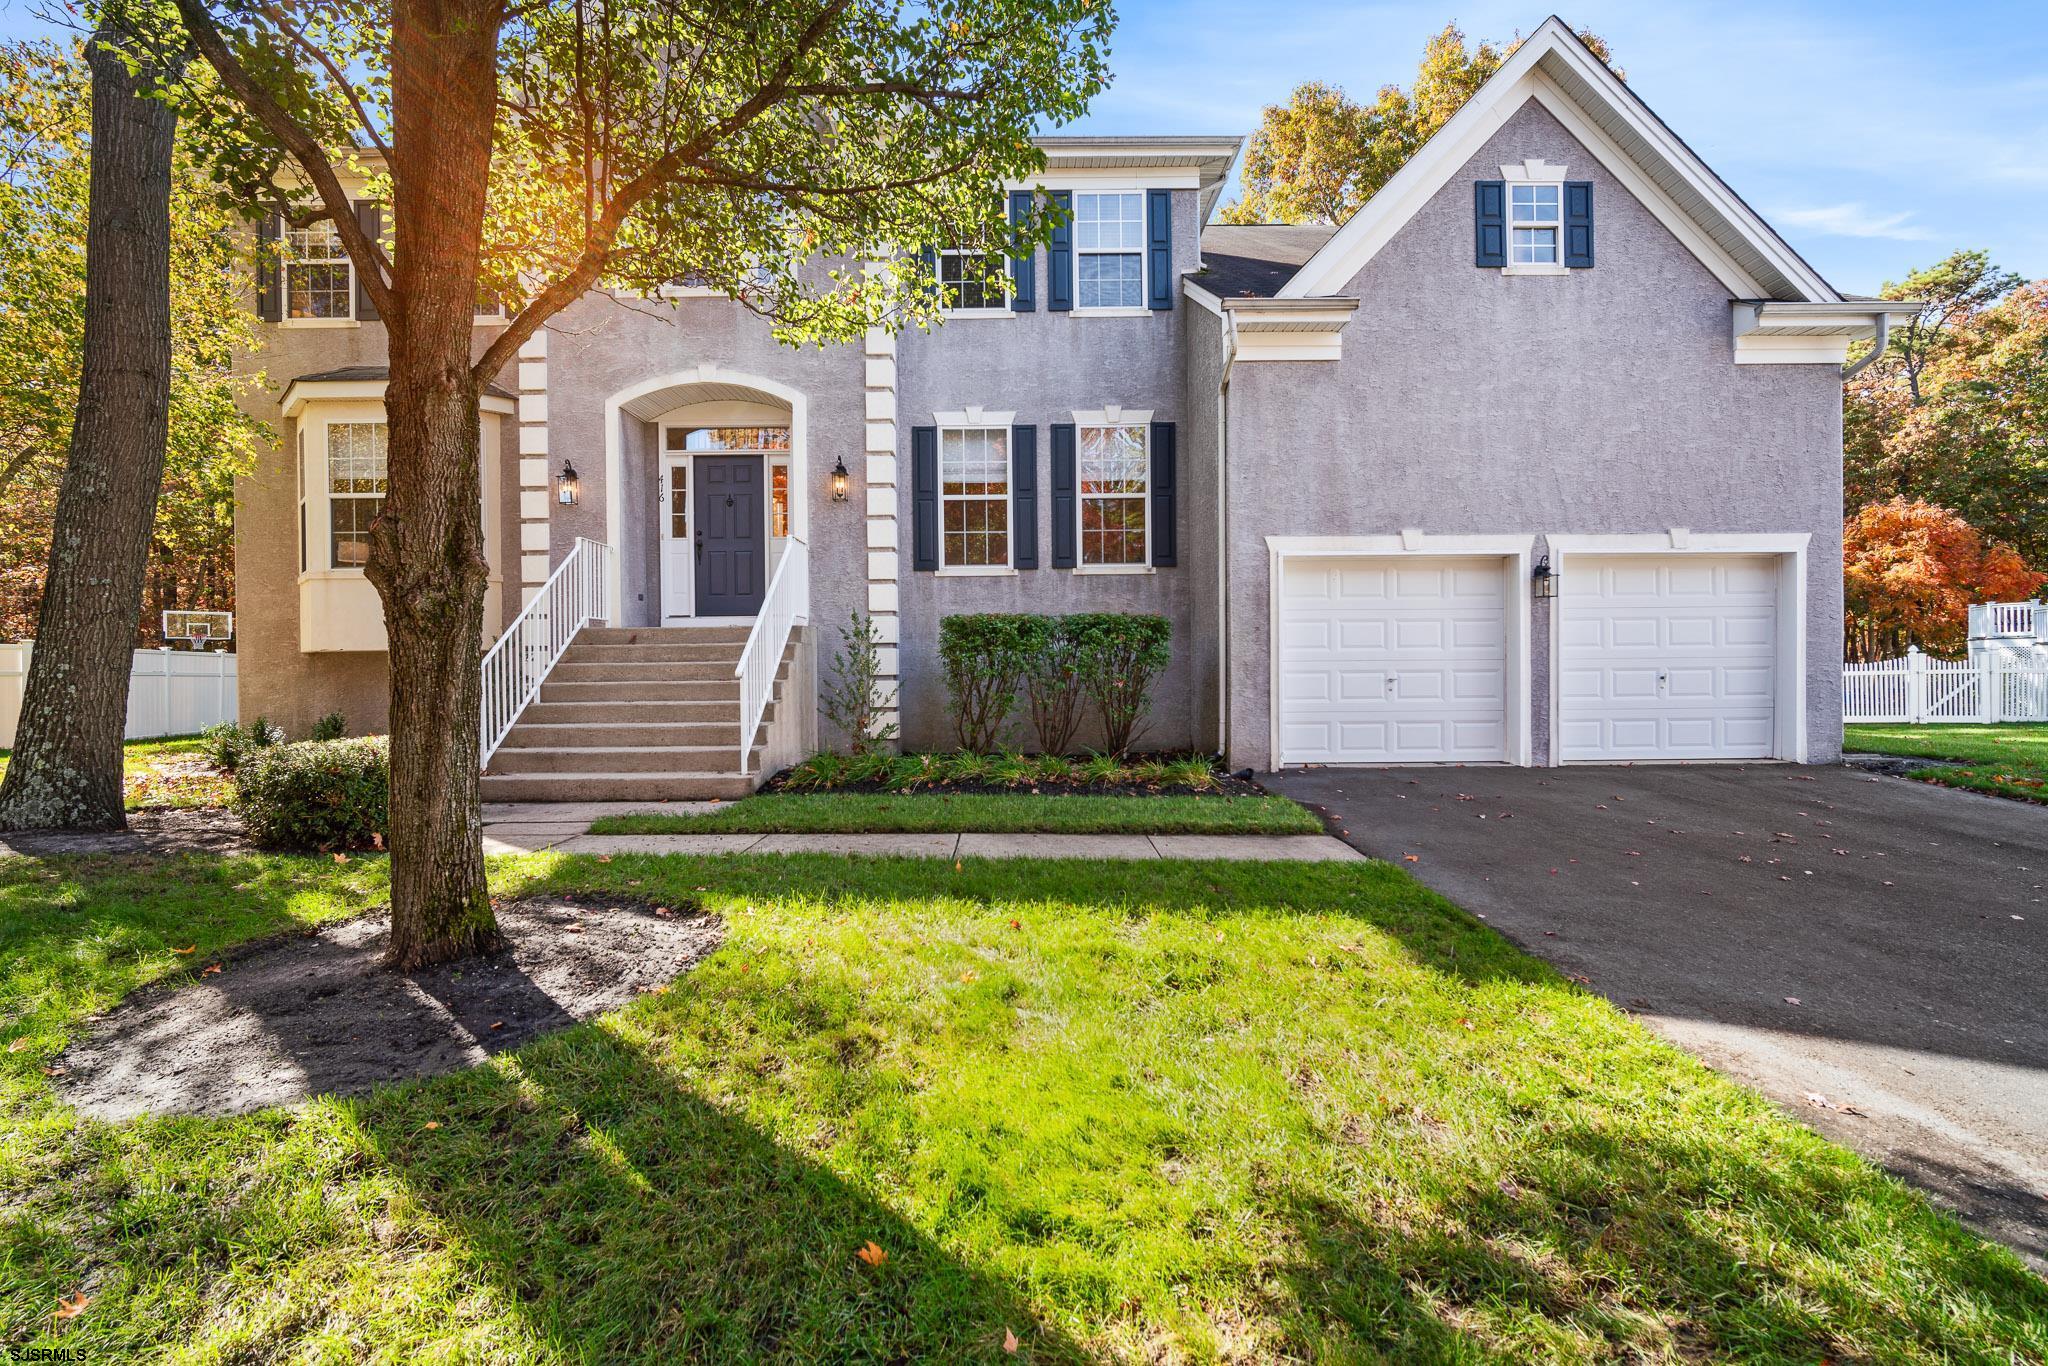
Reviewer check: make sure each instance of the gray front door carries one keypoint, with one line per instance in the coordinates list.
(732, 542)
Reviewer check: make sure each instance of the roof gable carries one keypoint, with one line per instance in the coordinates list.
(1558, 71)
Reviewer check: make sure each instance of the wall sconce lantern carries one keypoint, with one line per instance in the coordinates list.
(839, 478)
(1544, 580)
(567, 485)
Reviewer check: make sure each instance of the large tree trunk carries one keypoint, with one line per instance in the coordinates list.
(426, 549)
(66, 771)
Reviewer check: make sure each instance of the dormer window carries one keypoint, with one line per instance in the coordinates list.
(1536, 222)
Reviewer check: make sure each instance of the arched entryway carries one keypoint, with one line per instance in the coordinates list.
(702, 473)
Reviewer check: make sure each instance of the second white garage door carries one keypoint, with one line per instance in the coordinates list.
(1668, 657)
(1392, 660)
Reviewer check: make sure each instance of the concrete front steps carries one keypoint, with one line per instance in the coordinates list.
(632, 714)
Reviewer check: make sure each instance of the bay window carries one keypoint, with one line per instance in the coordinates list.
(357, 463)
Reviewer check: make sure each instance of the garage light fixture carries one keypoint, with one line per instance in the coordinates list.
(839, 477)
(567, 485)
(1544, 580)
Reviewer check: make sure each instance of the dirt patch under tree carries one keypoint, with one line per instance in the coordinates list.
(318, 1014)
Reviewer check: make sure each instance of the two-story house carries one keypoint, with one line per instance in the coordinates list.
(1535, 460)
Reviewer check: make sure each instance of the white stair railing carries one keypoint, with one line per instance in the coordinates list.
(532, 645)
(786, 606)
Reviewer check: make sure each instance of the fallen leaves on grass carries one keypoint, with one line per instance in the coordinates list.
(1010, 1343)
(872, 1254)
(70, 1306)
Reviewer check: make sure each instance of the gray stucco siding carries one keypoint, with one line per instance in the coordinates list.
(1045, 366)
(1468, 402)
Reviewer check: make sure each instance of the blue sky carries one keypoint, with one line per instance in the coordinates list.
(1876, 136)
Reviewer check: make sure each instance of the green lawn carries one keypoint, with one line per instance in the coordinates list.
(2007, 761)
(166, 772)
(1158, 1111)
(997, 813)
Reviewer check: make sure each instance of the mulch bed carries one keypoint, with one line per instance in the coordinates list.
(168, 830)
(311, 1014)
(1226, 786)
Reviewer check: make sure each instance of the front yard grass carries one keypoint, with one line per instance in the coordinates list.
(2008, 760)
(167, 772)
(990, 813)
(1155, 1111)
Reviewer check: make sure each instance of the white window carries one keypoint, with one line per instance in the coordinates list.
(1115, 477)
(356, 468)
(974, 497)
(1535, 223)
(965, 275)
(319, 278)
(1109, 250)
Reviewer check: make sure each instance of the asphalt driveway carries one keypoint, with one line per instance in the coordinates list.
(1870, 952)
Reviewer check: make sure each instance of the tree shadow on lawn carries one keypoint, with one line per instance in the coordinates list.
(629, 1217)
(1593, 1244)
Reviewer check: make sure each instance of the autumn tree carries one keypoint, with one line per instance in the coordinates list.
(541, 150)
(45, 145)
(1956, 410)
(1320, 156)
(1911, 570)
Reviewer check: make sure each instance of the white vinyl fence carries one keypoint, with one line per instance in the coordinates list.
(1986, 690)
(170, 692)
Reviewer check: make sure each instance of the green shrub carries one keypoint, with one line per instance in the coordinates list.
(316, 795)
(227, 745)
(332, 726)
(983, 655)
(848, 699)
(1052, 681)
(1121, 655)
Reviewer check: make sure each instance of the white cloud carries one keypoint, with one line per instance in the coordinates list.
(1852, 219)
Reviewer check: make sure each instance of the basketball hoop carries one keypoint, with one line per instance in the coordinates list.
(199, 629)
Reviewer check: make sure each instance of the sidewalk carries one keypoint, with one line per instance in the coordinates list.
(563, 829)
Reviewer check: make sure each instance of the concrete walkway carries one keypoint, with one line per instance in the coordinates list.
(1305, 848)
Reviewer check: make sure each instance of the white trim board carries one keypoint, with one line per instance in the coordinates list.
(1790, 740)
(1526, 75)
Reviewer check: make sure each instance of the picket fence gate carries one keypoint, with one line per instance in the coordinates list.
(1983, 691)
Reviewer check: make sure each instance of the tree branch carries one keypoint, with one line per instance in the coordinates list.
(295, 139)
(334, 74)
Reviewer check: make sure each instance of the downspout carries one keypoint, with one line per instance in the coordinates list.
(1229, 327)
(1883, 339)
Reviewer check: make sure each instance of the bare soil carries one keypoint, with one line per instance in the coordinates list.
(166, 830)
(317, 1013)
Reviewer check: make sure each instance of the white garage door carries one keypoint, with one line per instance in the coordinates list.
(1668, 657)
(1392, 661)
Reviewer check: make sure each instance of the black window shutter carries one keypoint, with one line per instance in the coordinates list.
(370, 218)
(1165, 527)
(1023, 275)
(924, 497)
(1024, 497)
(1159, 246)
(1059, 256)
(1490, 222)
(269, 270)
(1578, 223)
(928, 257)
(1064, 520)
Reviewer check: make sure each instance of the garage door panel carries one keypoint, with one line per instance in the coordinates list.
(1406, 663)
(1668, 657)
